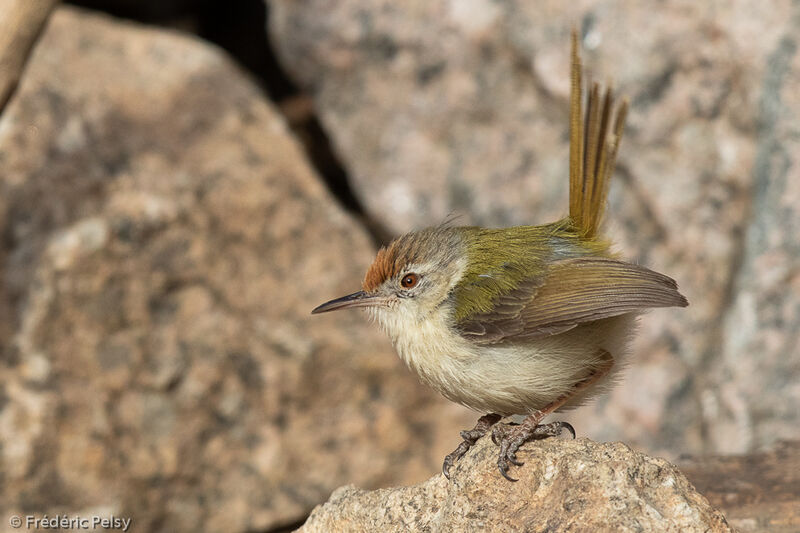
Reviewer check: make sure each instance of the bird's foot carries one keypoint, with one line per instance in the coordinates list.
(511, 436)
(470, 438)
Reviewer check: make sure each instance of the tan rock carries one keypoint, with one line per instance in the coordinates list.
(442, 106)
(164, 241)
(758, 492)
(563, 486)
(20, 24)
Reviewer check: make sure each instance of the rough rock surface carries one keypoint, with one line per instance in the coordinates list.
(563, 486)
(440, 106)
(163, 243)
(759, 492)
(20, 24)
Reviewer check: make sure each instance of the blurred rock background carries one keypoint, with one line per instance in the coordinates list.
(182, 181)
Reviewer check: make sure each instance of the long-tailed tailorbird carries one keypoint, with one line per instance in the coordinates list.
(522, 320)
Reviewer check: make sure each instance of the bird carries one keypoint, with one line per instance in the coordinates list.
(524, 320)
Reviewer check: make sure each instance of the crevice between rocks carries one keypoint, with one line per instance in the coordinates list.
(240, 28)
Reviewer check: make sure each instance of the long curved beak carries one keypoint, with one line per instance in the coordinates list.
(357, 299)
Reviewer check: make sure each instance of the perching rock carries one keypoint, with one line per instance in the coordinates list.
(164, 241)
(563, 486)
(461, 106)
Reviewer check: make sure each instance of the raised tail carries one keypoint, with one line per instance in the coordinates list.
(593, 142)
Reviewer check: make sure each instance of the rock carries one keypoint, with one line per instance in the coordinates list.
(164, 241)
(19, 26)
(439, 107)
(563, 486)
(759, 492)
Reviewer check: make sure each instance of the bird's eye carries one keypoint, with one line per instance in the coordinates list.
(409, 280)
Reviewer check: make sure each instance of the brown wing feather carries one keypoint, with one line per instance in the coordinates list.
(503, 320)
(573, 292)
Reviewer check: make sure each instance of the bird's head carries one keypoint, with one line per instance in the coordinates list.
(409, 278)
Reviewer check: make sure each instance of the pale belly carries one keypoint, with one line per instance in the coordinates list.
(515, 378)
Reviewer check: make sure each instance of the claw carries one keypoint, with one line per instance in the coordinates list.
(469, 438)
(503, 466)
(553, 429)
(507, 455)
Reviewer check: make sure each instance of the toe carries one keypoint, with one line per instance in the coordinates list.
(472, 435)
(449, 461)
(511, 453)
(505, 457)
(454, 456)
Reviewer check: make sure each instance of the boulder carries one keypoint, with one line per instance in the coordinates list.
(164, 241)
(563, 486)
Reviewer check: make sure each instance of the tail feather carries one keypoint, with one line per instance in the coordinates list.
(592, 148)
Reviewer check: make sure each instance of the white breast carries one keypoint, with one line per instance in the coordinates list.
(507, 379)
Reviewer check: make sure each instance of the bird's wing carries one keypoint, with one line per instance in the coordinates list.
(571, 292)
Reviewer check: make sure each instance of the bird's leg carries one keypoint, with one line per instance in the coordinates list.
(511, 437)
(470, 437)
